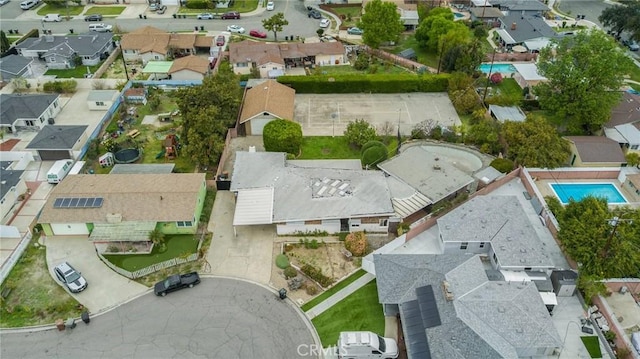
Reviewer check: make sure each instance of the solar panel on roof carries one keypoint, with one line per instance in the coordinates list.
(82, 202)
(74, 202)
(89, 202)
(57, 203)
(98, 202)
(428, 307)
(65, 202)
(415, 335)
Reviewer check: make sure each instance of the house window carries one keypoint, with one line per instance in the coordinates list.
(481, 244)
(184, 224)
(2, 201)
(635, 147)
(99, 103)
(156, 57)
(464, 245)
(383, 223)
(495, 258)
(527, 268)
(87, 57)
(242, 64)
(52, 59)
(29, 123)
(41, 119)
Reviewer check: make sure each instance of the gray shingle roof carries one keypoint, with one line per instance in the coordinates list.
(501, 221)
(14, 64)
(15, 106)
(87, 44)
(10, 177)
(598, 149)
(527, 27)
(53, 137)
(519, 5)
(102, 95)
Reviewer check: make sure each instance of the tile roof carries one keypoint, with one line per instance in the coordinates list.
(136, 197)
(191, 62)
(262, 53)
(55, 137)
(203, 41)
(597, 149)
(270, 96)
(627, 111)
(135, 92)
(15, 106)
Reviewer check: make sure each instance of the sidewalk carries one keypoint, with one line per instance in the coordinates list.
(340, 295)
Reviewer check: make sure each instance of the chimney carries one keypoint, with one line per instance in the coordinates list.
(514, 26)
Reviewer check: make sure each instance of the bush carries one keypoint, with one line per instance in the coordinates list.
(66, 86)
(496, 78)
(282, 136)
(374, 155)
(310, 244)
(290, 272)
(359, 83)
(316, 274)
(554, 205)
(356, 243)
(359, 132)
(503, 165)
(282, 261)
(362, 62)
(312, 289)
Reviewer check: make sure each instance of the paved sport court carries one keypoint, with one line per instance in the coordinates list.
(329, 114)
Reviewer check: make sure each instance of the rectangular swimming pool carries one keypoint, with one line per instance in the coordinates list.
(502, 68)
(578, 191)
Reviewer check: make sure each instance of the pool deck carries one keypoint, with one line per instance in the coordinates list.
(545, 188)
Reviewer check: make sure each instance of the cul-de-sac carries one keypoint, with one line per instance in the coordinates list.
(353, 179)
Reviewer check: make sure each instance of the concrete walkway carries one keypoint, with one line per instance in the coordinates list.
(339, 295)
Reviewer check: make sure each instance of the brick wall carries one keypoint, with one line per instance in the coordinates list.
(556, 175)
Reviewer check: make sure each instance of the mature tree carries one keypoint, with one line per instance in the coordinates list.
(585, 73)
(359, 132)
(622, 17)
(535, 143)
(486, 135)
(434, 19)
(380, 22)
(633, 159)
(204, 138)
(282, 136)
(275, 24)
(465, 57)
(4, 42)
(605, 242)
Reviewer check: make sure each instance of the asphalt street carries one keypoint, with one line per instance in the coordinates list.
(590, 8)
(220, 318)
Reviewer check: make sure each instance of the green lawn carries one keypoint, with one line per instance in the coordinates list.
(76, 73)
(13, 39)
(343, 283)
(177, 245)
(105, 10)
(238, 5)
(358, 312)
(324, 147)
(381, 68)
(424, 57)
(62, 10)
(592, 343)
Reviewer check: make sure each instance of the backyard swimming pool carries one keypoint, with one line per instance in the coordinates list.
(578, 191)
(502, 68)
(458, 15)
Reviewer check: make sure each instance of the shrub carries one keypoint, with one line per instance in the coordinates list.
(199, 4)
(359, 132)
(356, 243)
(282, 136)
(290, 272)
(374, 154)
(316, 274)
(503, 165)
(370, 83)
(496, 78)
(362, 62)
(282, 261)
(554, 205)
(112, 249)
(66, 86)
(312, 289)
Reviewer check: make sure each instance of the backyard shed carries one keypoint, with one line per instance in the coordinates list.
(136, 95)
(527, 75)
(564, 282)
(507, 113)
(408, 54)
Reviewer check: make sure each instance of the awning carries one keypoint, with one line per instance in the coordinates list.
(504, 35)
(254, 206)
(157, 67)
(124, 231)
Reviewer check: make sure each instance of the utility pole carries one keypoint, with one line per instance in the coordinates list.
(615, 221)
(486, 88)
(124, 63)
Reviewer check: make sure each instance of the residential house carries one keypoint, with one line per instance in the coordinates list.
(264, 103)
(190, 68)
(270, 57)
(299, 197)
(631, 183)
(55, 142)
(449, 306)
(487, 14)
(124, 207)
(624, 125)
(102, 99)
(595, 151)
(136, 95)
(152, 44)
(520, 7)
(13, 66)
(32, 112)
(63, 52)
(410, 18)
(516, 29)
(507, 113)
(527, 75)
(12, 187)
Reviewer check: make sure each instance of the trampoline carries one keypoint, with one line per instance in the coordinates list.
(127, 155)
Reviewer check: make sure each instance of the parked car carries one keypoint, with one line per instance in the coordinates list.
(28, 4)
(161, 9)
(101, 27)
(205, 16)
(258, 33)
(328, 38)
(2, 2)
(153, 7)
(176, 282)
(354, 31)
(94, 17)
(235, 28)
(70, 277)
(325, 23)
(633, 46)
(230, 15)
(313, 13)
(52, 18)
(220, 40)
(270, 6)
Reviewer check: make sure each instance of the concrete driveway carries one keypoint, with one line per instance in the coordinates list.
(106, 287)
(220, 318)
(245, 254)
(329, 114)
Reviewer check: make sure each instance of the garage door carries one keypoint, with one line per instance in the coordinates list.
(257, 125)
(69, 229)
(54, 155)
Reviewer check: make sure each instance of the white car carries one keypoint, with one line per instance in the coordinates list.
(325, 23)
(2, 2)
(52, 18)
(270, 6)
(235, 28)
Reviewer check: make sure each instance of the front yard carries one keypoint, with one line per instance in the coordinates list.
(105, 10)
(62, 10)
(78, 73)
(176, 246)
(241, 6)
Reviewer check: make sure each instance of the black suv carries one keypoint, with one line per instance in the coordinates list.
(313, 13)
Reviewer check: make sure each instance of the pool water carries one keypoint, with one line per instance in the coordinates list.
(458, 15)
(578, 191)
(502, 68)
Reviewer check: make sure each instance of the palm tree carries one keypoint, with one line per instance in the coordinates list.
(157, 237)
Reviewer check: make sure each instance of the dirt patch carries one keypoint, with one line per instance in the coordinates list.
(327, 257)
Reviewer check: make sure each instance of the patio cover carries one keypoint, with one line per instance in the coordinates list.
(157, 67)
(479, 3)
(254, 206)
(123, 231)
(529, 72)
(504, 35)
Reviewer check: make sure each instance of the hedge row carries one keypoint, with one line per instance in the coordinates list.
(376, 83)
(316, 274)
(199, 4)
(65, 86)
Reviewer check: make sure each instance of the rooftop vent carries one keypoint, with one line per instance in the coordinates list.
(501, 309)
(514, 26)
